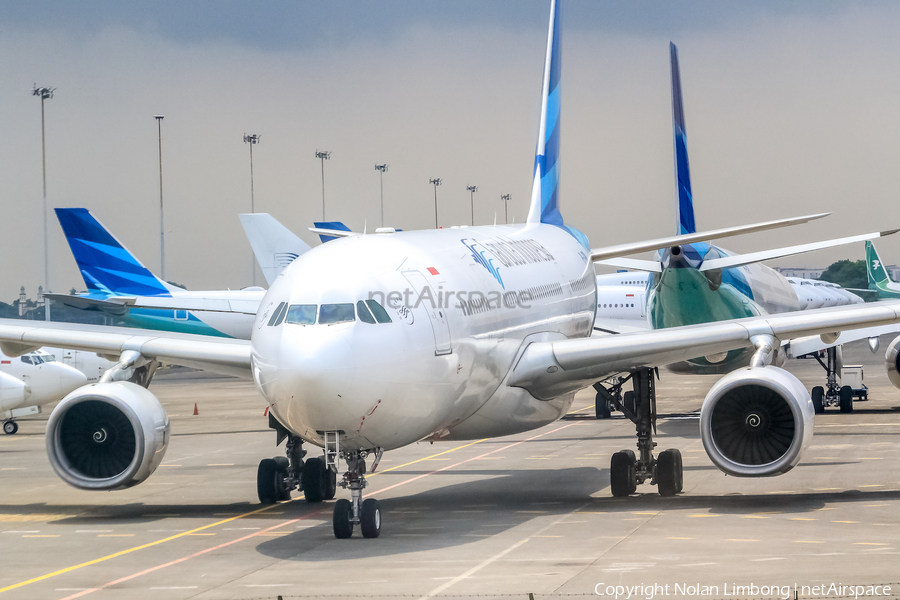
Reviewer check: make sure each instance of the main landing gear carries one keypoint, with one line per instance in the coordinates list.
(356, 511)
(627, 471)
(833, 394)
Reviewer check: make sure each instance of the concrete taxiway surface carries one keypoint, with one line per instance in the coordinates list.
(530, 513)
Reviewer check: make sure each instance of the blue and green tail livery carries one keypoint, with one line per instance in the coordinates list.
(684, 210)
(106, 266)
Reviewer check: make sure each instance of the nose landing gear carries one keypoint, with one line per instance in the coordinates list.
(348, 513)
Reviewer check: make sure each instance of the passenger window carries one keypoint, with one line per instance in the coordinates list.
(281, 315)
(302, 314)
(336, 313)
(380, 314)
(364, 315)
(276, 314)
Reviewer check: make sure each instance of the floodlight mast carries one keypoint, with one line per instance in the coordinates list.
(252, 139)
(506, 198)
(435, 182)
(472, 189)
(162, 229)
(323, 155)
(44, 93)
(382, 169)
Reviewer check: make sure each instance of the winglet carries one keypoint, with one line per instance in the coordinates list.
(545, 189)
(684, 209)
(105, 264)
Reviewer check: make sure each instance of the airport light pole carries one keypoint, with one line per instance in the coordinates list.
(506, 198)
(323, 155)
(382, 169)
(162, 229)
(435, 182)
(252, 139)
(44, 93)
(472, 189)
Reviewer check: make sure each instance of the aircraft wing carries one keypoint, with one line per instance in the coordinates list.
(607, 326)
(550, 369)
(609, 252)
(651, 266)
(220, 355)
(738, 260)
(814, 343)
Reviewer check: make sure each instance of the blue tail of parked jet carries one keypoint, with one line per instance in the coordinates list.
(107, 267)
(335, 225)
(684, 209)
(545, 189)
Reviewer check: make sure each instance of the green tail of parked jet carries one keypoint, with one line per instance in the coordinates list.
(879, 280)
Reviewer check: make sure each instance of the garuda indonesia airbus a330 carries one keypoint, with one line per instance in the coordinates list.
(695, 283)
(349, 360)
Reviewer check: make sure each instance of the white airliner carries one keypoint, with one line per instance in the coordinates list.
(372, 342)
(29, 381)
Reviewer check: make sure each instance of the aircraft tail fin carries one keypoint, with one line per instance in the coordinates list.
(545, 189)
(332, 225)
(684, 208)
(274, 245)
(874, 267)
(105, 264)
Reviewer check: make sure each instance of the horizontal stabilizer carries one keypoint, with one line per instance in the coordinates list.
(651, 266)
(728, 262)
(690, 238)
(115, 305)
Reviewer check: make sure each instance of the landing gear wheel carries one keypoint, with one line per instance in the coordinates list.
(668, 473)
(282, 465)
(846, 397)
(343, 515)
(621, 473)
(266, 485)
(330, 484)
(10, 427)
(601, 407)
(312, 478)
(818, 396)
(370, 518)
(680, 470)
(628, 402)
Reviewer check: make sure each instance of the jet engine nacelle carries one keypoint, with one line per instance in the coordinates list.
(13, 392)
(755, 422)
(891, 358)
(107, 436)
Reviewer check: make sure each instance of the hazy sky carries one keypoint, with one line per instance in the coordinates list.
(791, 108)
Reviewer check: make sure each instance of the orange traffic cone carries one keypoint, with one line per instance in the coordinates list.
(196, 412)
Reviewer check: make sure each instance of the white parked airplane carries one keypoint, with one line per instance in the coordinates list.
(29, 381)
(372, 342)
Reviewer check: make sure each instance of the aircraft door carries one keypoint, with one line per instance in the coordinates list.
(437, 314)
(642, 299)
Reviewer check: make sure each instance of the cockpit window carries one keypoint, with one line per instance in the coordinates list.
(380, 314)
(29, 360)
(336, 313)
(276, 313)
(364, 315)
(281, 315)
(302, 314)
